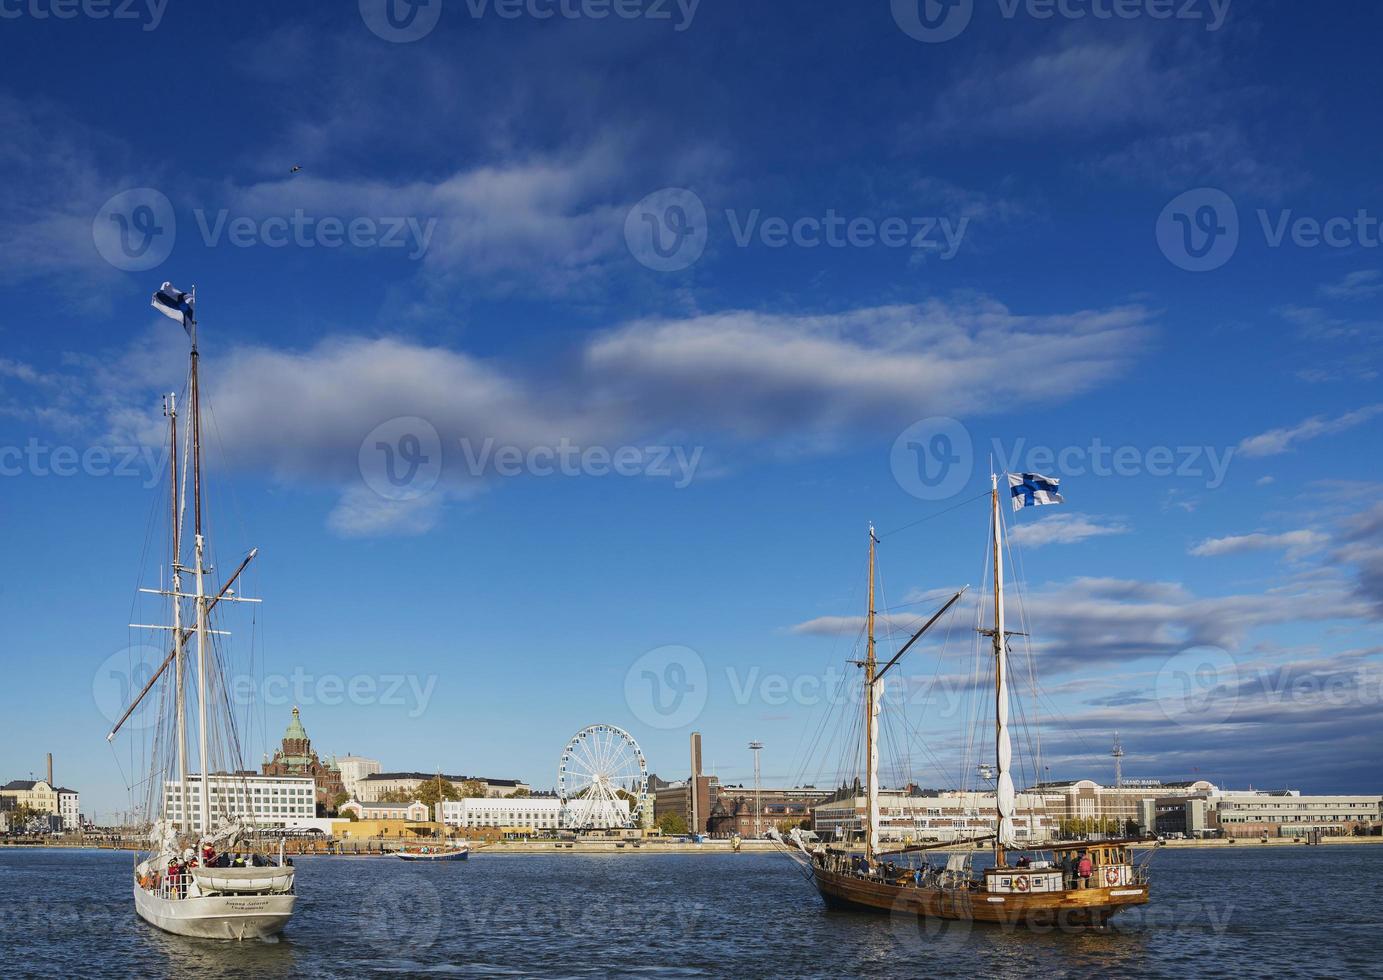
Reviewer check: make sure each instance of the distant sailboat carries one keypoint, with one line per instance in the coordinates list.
(443, 849)
(202, 874)
(1031, 892)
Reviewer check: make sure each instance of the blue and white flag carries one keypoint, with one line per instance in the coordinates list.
(174, 303)
(1033, 490)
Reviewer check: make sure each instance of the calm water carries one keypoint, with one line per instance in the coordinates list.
(1287, 911)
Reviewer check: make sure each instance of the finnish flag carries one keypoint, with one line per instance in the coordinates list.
(1033, 490)
(174, 303)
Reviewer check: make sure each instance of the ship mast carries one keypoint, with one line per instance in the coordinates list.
(871, 722)
(199, 570)
(171, 410)
(1003, 750)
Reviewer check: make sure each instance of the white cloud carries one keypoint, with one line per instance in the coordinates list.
(765, 381)
(1078, 84)
(1064, 529)
(1295, 543)
(817, 376)
(544, 220)
(1276, 441)
(1356, 285)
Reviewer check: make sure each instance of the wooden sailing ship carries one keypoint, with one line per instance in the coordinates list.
(1032, 884)
(205, 873)
(442, 849)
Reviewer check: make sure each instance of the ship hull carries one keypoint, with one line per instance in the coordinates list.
(1080, 908)
(444, 856)
(216, 916)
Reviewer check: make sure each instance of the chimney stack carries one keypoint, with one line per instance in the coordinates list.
(50, 769)
(695, 782)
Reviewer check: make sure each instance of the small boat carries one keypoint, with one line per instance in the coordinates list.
(204, 873)
(1081, 884)
(442, 849)
(435, 852)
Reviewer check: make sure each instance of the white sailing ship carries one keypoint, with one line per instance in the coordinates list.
(205, 872)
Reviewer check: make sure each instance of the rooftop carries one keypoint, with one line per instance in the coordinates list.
(383, 776)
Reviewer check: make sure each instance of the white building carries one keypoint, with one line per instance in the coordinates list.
(949, 816)
(69, 808)
(531, 813)
(365, 810)
(269, 801)
(354, 768)
(1287, 813)
(377, 785)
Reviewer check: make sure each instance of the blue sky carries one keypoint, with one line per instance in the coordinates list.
(762, 256)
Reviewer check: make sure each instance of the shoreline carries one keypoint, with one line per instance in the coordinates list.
(708, 847)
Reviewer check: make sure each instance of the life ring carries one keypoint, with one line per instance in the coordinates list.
(1111, 876)
(1022, 883)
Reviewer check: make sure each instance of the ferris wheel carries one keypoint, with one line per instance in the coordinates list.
(602, 779)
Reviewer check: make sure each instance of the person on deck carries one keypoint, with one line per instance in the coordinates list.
(1085, 868)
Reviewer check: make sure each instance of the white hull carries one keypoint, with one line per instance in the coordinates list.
(216, 916)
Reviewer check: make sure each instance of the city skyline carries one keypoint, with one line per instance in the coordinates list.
(574, 404)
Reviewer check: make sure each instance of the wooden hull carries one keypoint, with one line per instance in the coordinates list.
(1080, 908)
(434, 856)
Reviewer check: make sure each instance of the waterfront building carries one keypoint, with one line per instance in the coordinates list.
(691, 800)
(376, 785)
(296, 757)
(372, 829)
(267, 801)
(69, 808)
(935, 816)
(733, 810)
(533, 813)
(41, 796)
(1083, 806)
(354, 769)
(1260, 813)
(413, 812)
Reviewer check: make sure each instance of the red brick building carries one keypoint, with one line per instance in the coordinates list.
(296, 757)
